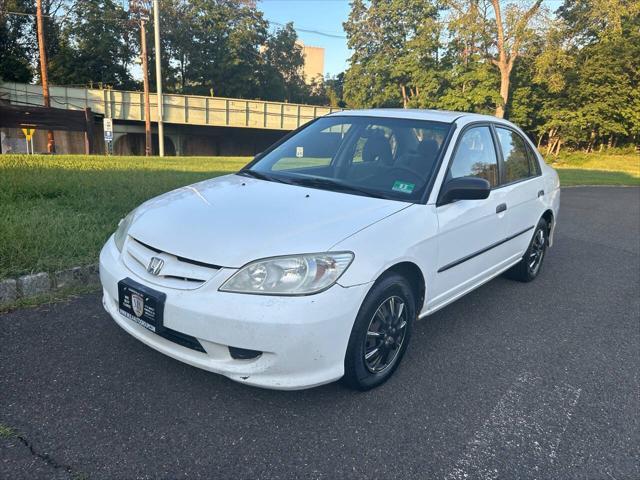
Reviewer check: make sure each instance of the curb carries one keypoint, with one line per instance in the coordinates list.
(36, 284)
(600, 186)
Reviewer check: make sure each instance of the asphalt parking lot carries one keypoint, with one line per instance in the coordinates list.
(515, 380)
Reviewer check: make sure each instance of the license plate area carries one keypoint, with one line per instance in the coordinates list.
(141, 304)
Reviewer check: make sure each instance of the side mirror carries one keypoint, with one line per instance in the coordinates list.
(464, 188)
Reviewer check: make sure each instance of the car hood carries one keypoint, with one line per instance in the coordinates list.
(231, 220)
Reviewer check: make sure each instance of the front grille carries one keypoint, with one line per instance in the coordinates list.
(177, 272)
(182, 259)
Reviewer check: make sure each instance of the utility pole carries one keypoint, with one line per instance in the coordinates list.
(51, 144)
(145, 81)
(156, 34)
(140, 11)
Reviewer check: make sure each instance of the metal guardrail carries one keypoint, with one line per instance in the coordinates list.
(179, 109)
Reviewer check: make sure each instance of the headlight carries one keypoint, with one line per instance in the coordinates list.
(123, 228)
(290, 275)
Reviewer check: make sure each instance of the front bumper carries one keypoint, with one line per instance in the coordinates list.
(303, 339)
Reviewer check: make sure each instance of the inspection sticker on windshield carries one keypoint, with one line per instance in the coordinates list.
(404, 187)
(299, 152)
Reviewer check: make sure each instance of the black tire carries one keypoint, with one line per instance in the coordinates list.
(529, 267)
(392, 338)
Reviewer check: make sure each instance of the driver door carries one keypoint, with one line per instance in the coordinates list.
(470, 231)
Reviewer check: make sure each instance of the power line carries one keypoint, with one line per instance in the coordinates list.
(63, 17)
(317, 32)
(120, 20)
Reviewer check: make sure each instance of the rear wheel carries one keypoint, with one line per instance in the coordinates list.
(531, 263)
(380, 333)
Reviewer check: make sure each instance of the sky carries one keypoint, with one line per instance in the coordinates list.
(308, 16)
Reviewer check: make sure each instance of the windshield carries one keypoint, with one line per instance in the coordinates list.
(380, 157)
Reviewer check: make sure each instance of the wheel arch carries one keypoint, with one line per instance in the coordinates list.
(550, 219)
(415, 277)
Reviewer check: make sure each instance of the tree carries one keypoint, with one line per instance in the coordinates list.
(283, 62)
(16, 39)
(497, 31)
(97, 45)
(589, 70)
(403, 55)
(223, 48)
(52, 25)
(469, 82)
(395, 48)
(223, 58)
(510, 32)
(334, 88)
(178, 18)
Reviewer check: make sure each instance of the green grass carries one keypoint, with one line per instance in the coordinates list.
(57, 211)
(6, 432)
(578, 168)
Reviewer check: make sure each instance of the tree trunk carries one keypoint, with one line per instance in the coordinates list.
(558, 145)
(505, 72)
(592, 141)
(505, 59)
(551, 141)
(405, 100)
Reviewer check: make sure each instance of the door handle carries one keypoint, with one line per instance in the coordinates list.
(501, 208)
(541, 193)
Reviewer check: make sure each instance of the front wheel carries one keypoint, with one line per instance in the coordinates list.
(531, 262)
(380, 333)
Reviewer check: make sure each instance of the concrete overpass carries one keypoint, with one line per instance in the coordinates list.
(194, 125)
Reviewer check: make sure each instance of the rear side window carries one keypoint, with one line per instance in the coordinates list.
(534, 164)
(475, 156)
(514, 153)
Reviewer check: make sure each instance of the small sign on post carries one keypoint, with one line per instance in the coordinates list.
(107, 126)
(28, 131)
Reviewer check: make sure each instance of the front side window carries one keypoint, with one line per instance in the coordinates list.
(475, 156)
(514, 153)
(381, 157)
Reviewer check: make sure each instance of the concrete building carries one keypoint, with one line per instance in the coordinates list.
(313, 68)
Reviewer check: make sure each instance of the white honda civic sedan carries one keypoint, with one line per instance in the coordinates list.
(313, 262)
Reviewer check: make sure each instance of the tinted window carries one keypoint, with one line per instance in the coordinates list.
(514, 152)
(475, 156)
(389, 157)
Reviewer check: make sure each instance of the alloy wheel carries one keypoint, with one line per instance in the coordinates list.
(385, 335)
(537, 252)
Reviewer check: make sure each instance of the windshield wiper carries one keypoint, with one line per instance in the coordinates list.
(331, 184)
(262, 176)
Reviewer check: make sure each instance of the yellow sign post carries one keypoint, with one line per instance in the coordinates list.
(28, 135)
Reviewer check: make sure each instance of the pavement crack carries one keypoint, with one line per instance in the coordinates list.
(48, 460)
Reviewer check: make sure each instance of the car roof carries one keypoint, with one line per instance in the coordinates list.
(417, 114)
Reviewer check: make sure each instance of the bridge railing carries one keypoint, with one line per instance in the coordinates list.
(181, 109)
